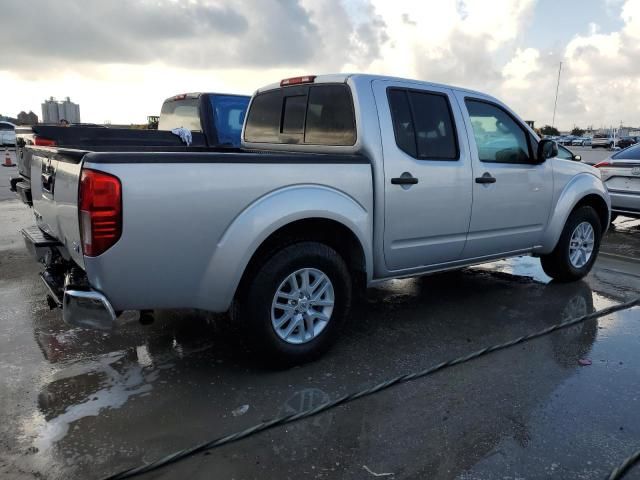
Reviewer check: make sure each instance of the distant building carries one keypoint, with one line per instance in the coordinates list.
(53, 111)
(27, 118)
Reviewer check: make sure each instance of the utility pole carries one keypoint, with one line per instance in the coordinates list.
(553, 122)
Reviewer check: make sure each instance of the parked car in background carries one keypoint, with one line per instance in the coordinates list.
(7, 134)
(581, 141)
(214, 120)
(624, 142)
(621, 175)
(603, 140)
(346, 181)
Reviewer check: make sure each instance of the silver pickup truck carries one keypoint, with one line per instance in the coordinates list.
(344, 181)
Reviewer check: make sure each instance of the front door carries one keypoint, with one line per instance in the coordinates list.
(512, 191)
(427, 174)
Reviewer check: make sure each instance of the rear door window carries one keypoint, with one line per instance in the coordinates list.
(402, 122)
(312, 115)
(423, 124)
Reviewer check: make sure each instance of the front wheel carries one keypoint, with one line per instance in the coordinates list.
(577, 247)
(292, 308)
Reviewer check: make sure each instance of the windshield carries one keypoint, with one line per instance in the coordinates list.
(229, 112)
(180, 113)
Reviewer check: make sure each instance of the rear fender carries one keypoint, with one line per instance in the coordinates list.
(263, 217)
(577, 188)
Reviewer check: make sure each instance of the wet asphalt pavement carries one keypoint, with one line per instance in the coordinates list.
(77, 404)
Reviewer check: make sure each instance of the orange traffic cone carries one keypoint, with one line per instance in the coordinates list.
(7, 159)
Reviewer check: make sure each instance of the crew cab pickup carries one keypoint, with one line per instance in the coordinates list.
(214, 120)
(345, 181)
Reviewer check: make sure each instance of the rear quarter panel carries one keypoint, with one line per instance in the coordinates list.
(189, 229)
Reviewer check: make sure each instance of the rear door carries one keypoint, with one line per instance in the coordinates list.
(427, 172)
(512, 191)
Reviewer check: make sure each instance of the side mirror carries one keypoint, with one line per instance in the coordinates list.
(547, 149)
(577, 158)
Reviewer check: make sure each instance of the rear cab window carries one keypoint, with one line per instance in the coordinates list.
(317, 114)
(180, 113)
(228, 115)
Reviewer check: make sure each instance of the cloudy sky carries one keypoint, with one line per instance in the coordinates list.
(120, 58)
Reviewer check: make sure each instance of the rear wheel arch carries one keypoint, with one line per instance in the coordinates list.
(330, 232)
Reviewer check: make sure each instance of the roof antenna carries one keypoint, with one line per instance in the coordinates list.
(553, 122)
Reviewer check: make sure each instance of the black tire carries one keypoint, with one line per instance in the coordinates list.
(557, 264)
(252, 306)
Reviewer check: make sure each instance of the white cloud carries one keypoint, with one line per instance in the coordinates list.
(472, 43)
(518, 72)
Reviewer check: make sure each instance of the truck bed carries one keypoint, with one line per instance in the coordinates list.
(96, 138)
(180, 211)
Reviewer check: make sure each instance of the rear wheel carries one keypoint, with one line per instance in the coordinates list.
(577, 247)
(291, 310)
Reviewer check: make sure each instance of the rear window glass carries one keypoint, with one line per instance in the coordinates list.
(294, 110)
(180, 113)
(314, 115)
(330, 119)
(631, 153)
(229, 111)
(263, 121)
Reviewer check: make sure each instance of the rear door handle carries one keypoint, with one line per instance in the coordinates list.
(408, 180)
(486, 178)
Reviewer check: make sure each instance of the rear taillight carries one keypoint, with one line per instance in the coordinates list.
(43, 142)
(605, 163)
(100, 201)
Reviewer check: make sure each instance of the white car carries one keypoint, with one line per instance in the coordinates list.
(581, 142)
(7, 134)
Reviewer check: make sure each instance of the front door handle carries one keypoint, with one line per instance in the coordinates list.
(486, 178)
(405, 179)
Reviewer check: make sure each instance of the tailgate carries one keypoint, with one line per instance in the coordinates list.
(55, 174)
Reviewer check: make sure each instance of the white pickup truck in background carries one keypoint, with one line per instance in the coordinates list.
(345, 181)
